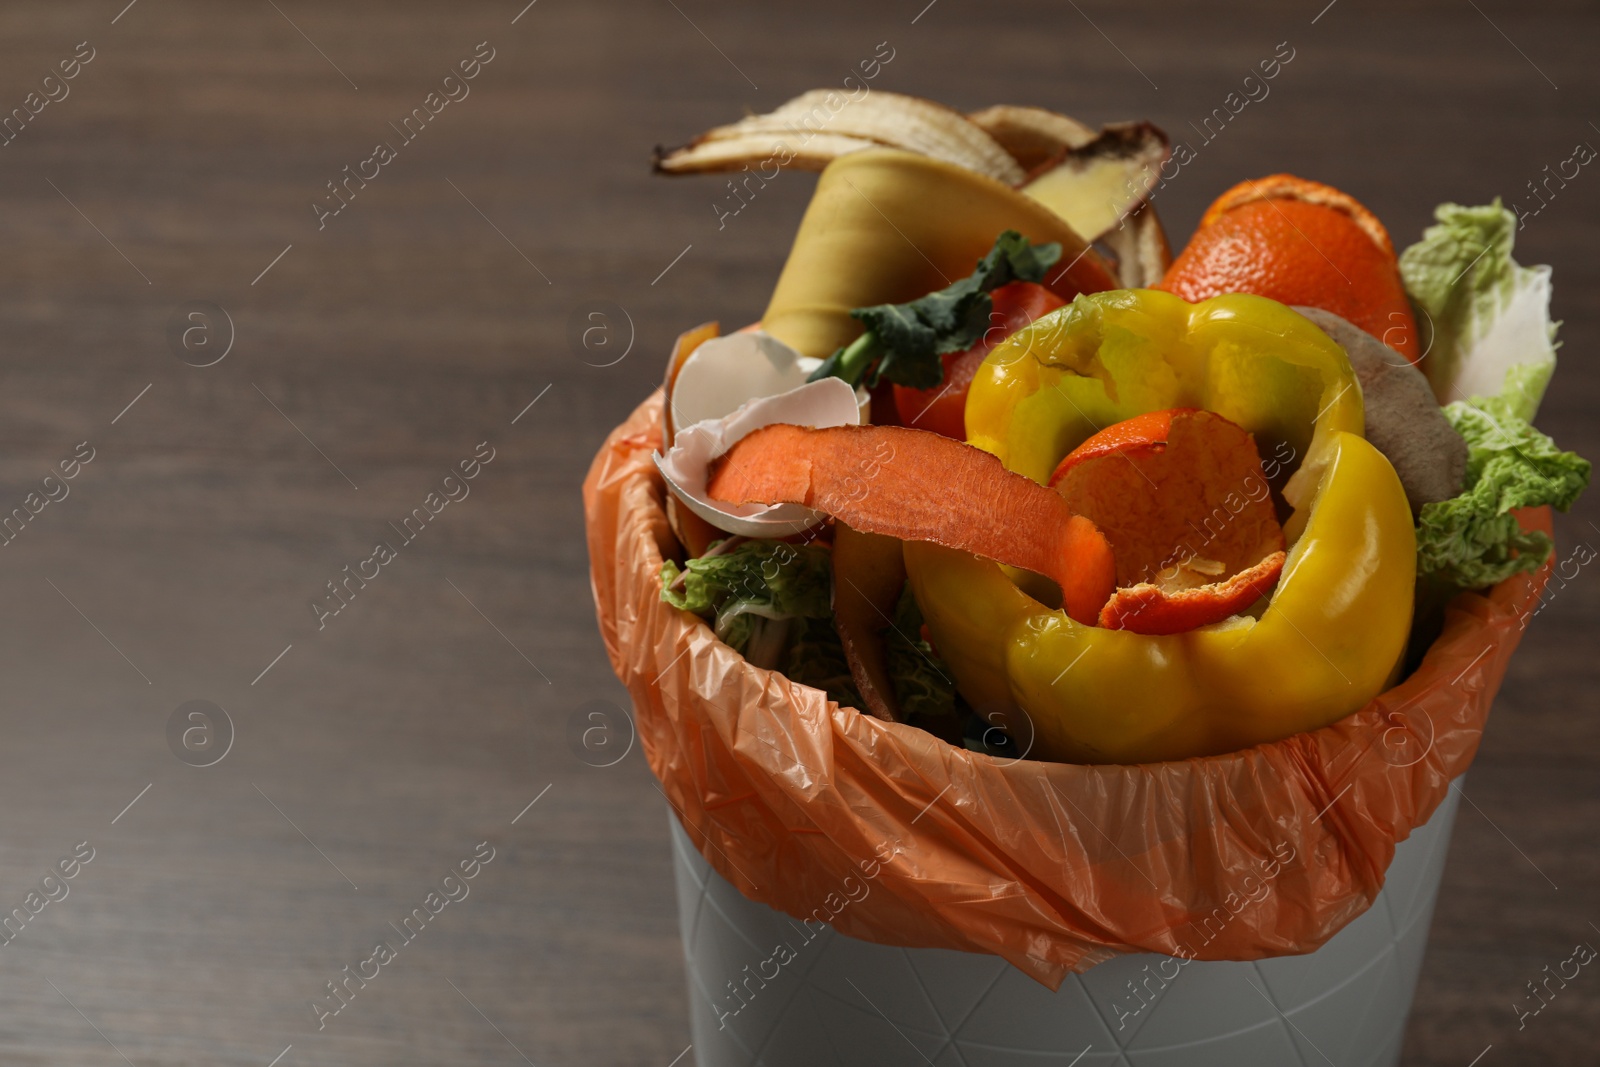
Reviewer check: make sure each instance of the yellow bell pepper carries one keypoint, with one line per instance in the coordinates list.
(1332, 634)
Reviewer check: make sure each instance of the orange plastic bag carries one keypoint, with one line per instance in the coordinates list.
(894, 836)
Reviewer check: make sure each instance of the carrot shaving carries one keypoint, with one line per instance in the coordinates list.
(922, 486)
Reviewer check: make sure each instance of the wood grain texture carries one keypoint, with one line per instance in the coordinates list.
(428, 713)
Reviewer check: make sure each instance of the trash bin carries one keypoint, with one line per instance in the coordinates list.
(1032, 876)
(841, 1000)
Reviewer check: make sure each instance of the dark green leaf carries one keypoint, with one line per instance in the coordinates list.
(908, 339)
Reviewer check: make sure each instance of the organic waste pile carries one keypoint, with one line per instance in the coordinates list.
(1091, 503)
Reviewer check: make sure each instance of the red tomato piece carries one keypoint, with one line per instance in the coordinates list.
(943, 409)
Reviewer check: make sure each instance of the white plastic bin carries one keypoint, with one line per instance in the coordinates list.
(845, 1001)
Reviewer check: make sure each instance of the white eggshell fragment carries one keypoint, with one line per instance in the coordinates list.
(686, 466)
(724, 372)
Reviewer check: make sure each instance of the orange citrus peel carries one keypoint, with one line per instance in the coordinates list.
(1303, 243)
(1181, 496)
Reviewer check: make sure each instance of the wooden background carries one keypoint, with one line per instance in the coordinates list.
(378, 751)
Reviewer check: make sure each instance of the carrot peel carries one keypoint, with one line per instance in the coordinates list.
(921, 486)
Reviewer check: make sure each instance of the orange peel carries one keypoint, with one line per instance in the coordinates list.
(1299, 242)
(1181, 496)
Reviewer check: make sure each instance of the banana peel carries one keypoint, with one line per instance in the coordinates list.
(1097, 182)
(1094, 186)
(818, 126)
(759, 150)
(888, 226)
(1034, 137)
(1101, 185)
(1140, 245)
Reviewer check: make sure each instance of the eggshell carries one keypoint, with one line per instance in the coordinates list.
(829, 402)
(724, 372)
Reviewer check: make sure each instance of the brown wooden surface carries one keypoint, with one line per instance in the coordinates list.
(412, 727)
